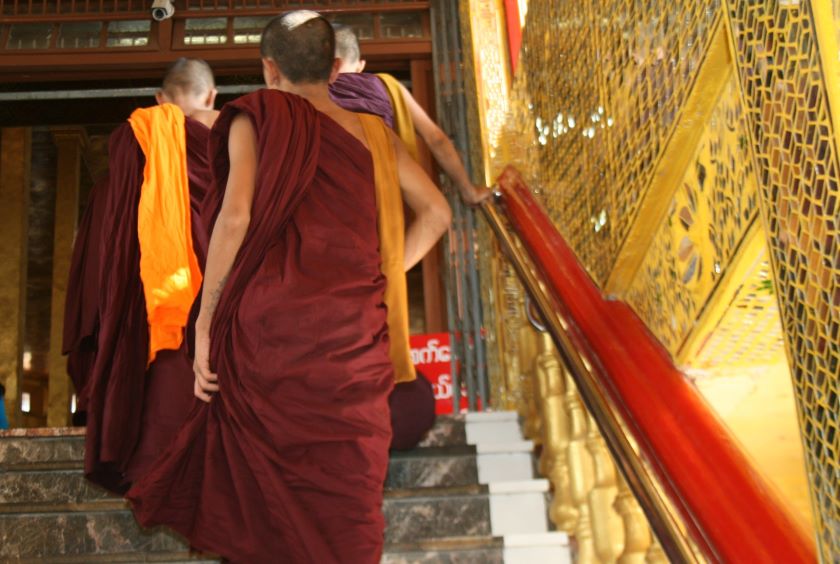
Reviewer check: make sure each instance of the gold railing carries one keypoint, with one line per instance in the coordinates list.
(605, 404)
(688, 152)
(573, 455)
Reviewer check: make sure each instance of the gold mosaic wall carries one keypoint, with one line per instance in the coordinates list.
(715, 203)
(663, 138)
(748, 330)
(589, 113)
(786, 57)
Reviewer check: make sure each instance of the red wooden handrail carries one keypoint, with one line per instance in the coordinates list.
(729, 510)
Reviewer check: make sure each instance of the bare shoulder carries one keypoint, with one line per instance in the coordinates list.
(349, 121)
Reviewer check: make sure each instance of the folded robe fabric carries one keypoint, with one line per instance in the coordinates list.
(391, 224)
(169, 267)
(403, 124)
(363, 92)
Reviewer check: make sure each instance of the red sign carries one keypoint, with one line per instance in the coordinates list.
(431, 356)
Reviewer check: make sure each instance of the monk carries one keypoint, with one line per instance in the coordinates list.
(136, 394)
(286, 460)
(384, 96)
(412, 401)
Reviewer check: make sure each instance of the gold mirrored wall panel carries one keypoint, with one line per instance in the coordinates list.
(786, 55)
(714, 204)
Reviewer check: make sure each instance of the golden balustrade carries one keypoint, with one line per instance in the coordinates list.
(688, 152)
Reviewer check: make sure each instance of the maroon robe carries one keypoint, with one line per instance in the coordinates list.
(287, 462)
(132, 413)
(81, 311)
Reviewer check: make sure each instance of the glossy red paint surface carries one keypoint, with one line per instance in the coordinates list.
(514, 33)
(728, 508)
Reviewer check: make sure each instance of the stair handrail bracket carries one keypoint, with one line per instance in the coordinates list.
(644, 406)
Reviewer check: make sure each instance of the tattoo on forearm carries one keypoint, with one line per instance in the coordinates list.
(216, 295)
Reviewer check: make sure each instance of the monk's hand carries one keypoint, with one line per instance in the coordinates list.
(206, 383)
(476, 194)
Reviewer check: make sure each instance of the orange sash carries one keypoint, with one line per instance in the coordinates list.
(403, 124)
(169, 268)
(391, 223)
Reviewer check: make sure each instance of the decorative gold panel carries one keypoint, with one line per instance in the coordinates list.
(749, 330)
(786, 55)
(653, 51)
(600, 89)
(709, 215)
(560, 108)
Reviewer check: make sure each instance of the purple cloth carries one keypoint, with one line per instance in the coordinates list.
(366, 93)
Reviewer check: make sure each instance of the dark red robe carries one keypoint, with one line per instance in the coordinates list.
(132, 413)
(287, 462)
(81, 311)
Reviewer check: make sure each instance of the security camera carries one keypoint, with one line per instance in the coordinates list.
(162, 10)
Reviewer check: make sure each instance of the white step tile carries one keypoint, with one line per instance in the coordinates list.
(538, 555)
(488, 416)
(503, 447)
(504, 467)
(523, 512)
(525, 540)
(519, 486)
(504, 431)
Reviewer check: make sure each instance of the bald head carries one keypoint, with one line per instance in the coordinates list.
(347, 49)
(189, 84)
(302, 45)
(190, 76)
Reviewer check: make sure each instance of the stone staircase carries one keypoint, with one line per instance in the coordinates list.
(466, 495)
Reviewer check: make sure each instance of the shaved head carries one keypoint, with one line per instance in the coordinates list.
(302, 45)
(346, 44)
(192, 77)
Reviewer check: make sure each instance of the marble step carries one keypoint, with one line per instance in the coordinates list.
(63, 481)
(62, 448)
(467, 550)
(429, 467)
(45, 530)
(175, 557)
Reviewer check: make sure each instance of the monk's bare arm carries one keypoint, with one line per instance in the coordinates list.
(444, 151)
(228, 234)
(432, 215)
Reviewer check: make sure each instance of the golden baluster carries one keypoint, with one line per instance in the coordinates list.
(607, 531)
(655, 554)
(580, 472)
(554, 462)
(529, 408)
(636, 530)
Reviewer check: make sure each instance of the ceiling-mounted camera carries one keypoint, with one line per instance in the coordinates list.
(162, 10)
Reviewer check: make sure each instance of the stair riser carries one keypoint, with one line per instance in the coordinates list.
(478, 556)
(411, 519)
(70, 486)
(60, 487)
(77, 534)
(475, 556)
(23, 452)
(447, 431)
(39, 535)
(432, 472)
(28, 452)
